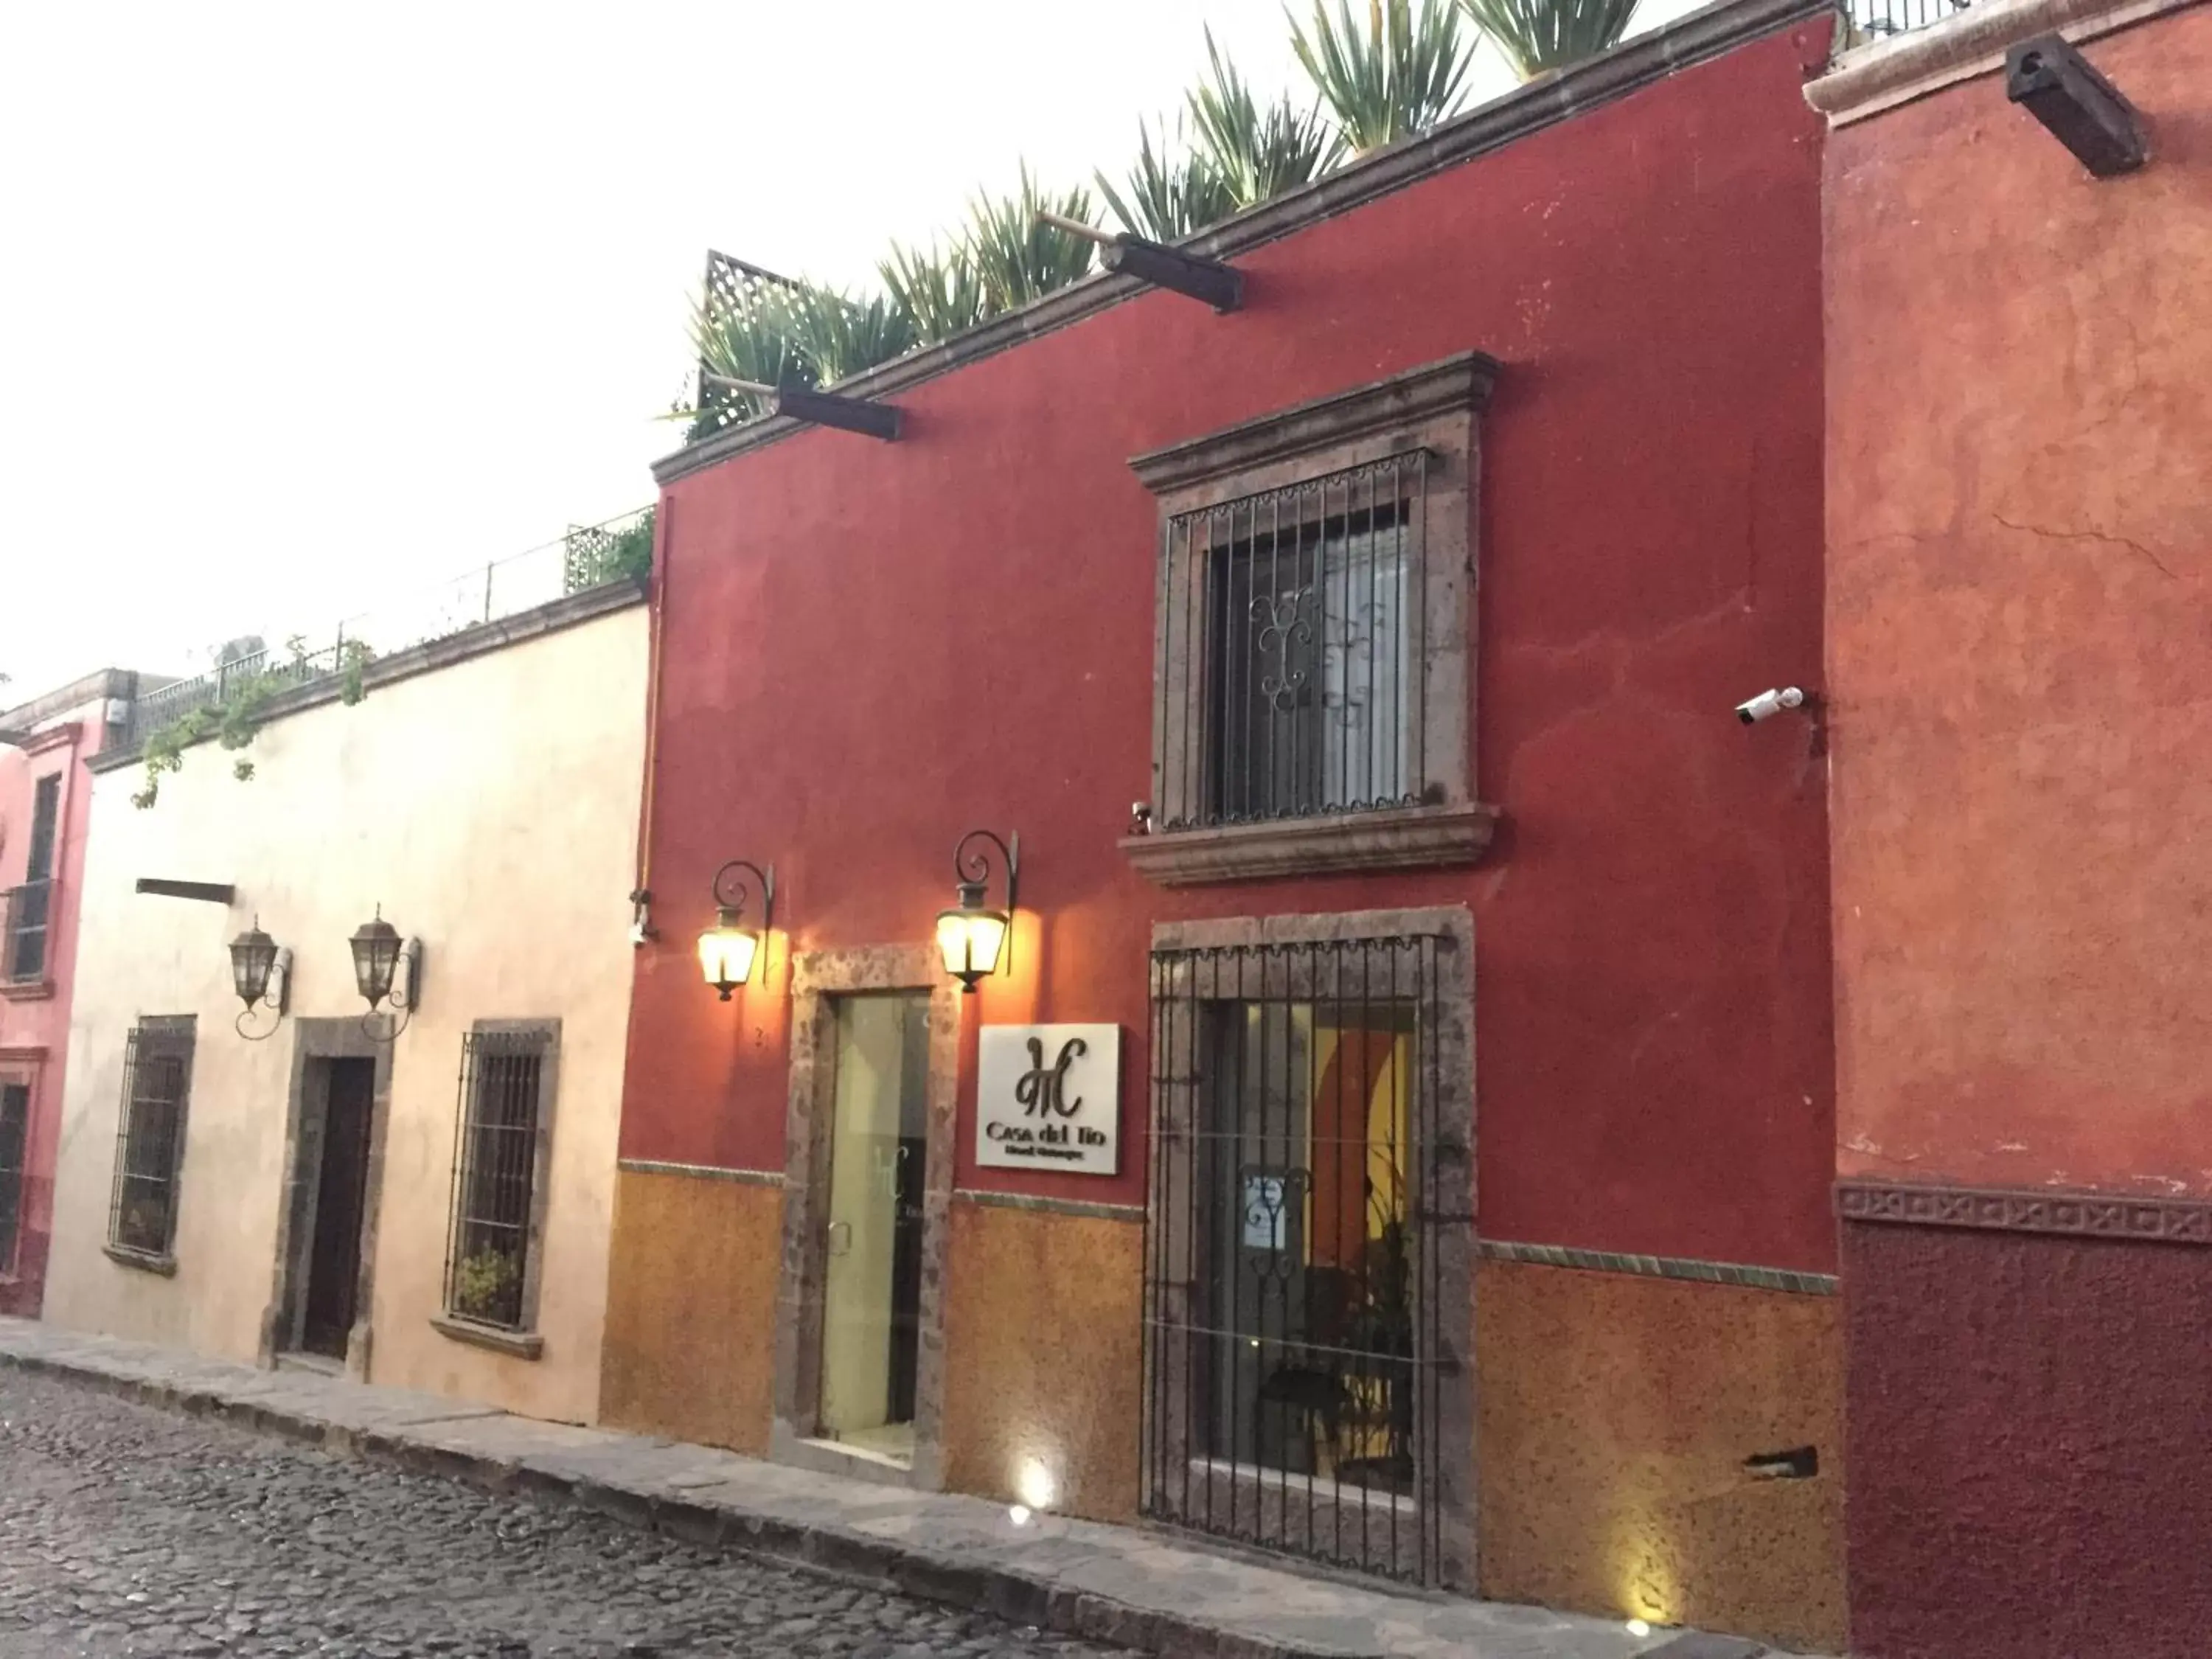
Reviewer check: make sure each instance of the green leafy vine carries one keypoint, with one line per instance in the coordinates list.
(234, 723)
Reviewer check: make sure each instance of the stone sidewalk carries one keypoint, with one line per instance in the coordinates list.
(1123, 1585)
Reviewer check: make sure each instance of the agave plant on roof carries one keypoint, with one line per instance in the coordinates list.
(1174, 188)
(937, 287)
(1401, 75)
(1260, 152)
(1018, 257)
(1536, 35)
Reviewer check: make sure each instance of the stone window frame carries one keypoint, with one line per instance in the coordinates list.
(18, 1071)
(1453, 925)
(525, 1341)
(819, 978)
(172, 1032)
(343, 1037)
(1433, 411)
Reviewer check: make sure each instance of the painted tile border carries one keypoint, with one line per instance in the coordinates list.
(1030, 1202)
(1660, 1267)
(700, 1171)
(2028, 1210)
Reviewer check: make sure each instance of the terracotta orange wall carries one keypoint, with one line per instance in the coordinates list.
(691, 1307)
(1044, 1357)
(2020, 413)
(1616, 1415)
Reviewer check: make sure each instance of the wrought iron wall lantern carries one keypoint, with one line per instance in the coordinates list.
(261, 973)
(972, 936)
(727, 949)
(386, 969)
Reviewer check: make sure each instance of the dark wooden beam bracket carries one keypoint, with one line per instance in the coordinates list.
(821, 408)
(2060, 88)
(1219, 285)
(206, 892)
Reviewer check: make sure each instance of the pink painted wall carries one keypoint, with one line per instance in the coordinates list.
(34, 1018)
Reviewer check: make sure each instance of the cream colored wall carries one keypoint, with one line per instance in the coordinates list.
(490, 807)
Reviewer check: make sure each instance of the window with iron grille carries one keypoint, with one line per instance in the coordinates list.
(14, 1134)
(499, 1173)
(23, 930)
(1308, 1228)
(1313, 636)
(150, 1150)
(1302, 701)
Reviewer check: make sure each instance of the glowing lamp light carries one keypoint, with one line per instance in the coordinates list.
(727, 949)
(726, 952)
(1037, 1488)
(1640, 1627)
(971, 937)
(1019, 1515)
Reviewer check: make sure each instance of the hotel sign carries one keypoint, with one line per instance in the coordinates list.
(1050, 1097)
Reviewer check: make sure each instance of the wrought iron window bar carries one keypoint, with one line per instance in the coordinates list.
(1292, 1336)
(149, 1141)
(495, 1157)
(1290, 644)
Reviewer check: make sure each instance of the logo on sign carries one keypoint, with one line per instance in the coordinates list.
(1050, 1097)
(1043, 1090)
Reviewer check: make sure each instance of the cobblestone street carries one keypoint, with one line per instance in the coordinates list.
(128, 1530)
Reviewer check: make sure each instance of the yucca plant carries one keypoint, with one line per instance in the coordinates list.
(757, 339)
(937, 287)
(1173, 190)
(840, 336)
(1259, 154)
(1018, 257)
(1536, 35)
(1400, 75)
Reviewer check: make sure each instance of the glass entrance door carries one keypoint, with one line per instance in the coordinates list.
(872, 1298)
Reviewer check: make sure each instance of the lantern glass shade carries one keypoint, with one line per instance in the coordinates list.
(726, 952)
(970, 938)
(253, 955)
(375, 959)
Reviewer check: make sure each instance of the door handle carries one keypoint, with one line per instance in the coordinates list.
(840, 1238)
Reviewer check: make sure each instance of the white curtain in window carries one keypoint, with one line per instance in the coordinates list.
(1366, 714)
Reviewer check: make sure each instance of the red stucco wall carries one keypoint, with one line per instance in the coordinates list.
(871, 648)
(34, 1020)
(2028, 1425)
(2020, 408)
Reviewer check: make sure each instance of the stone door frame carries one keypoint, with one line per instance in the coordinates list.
(305, 1124)
(818, 979)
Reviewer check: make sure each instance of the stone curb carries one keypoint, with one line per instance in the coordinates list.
(1017, 1597)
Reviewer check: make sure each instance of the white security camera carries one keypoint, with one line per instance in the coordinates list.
(1767, 704)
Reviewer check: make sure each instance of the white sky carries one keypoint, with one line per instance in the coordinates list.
(304, 306)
